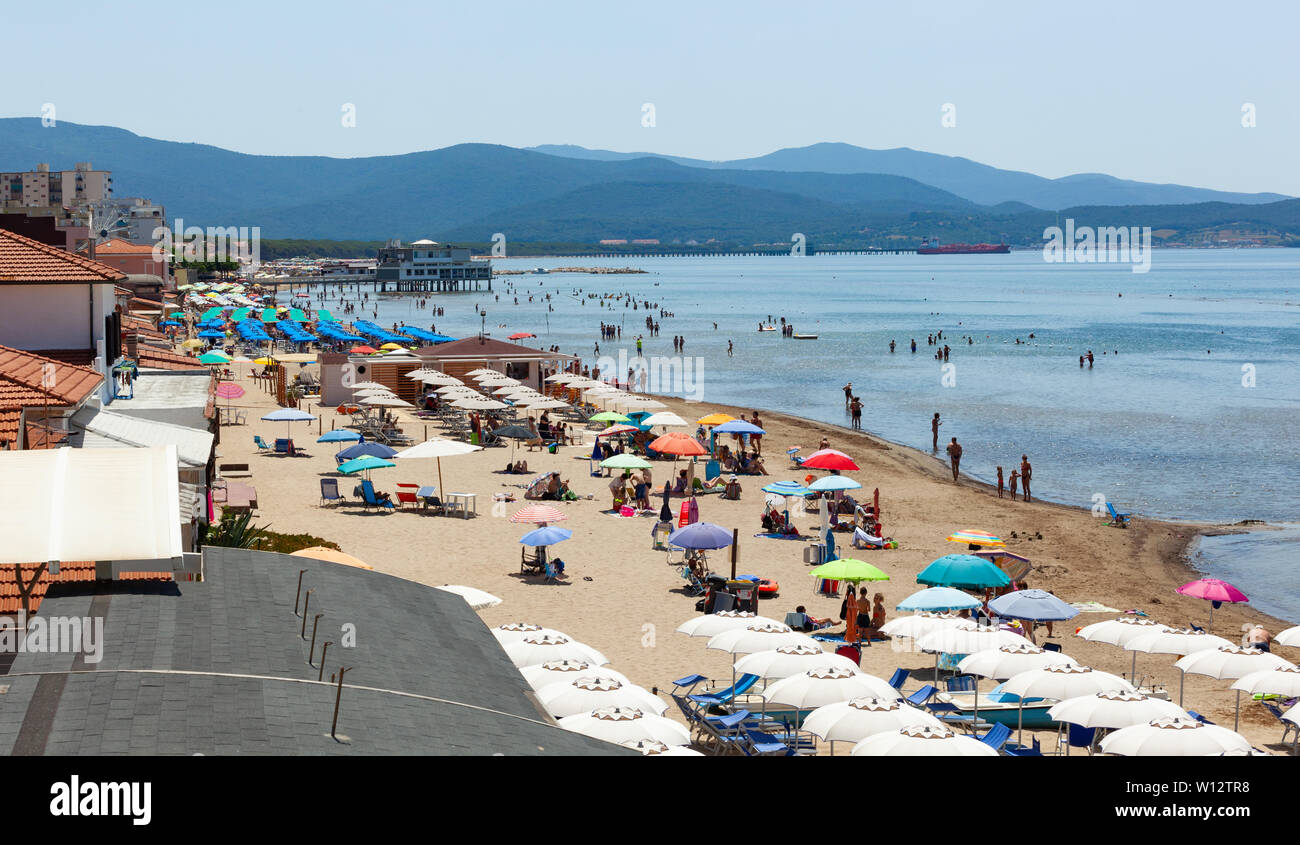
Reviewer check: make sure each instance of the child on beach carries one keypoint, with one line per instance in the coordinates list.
(1012, 481)
(999, 482)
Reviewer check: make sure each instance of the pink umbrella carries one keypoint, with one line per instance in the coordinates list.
(617, 428)
(228, 390)
(1213, 590)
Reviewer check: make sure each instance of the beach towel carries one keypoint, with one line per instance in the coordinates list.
(782, 536)
(1092, 607)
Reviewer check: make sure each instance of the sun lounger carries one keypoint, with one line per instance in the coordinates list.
(725, 696)
(284, 446)
(406, 495)
(1013, 750)
(899, 678)
(1287, 727)
(996, 737)
(371, 499)
(1077, 737)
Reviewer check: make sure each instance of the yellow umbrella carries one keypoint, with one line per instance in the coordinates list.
(715, 419)
(265, 362)
(193, 343)
(392, 346)
(331, 556)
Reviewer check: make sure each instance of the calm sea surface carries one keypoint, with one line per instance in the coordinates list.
(1189, 412)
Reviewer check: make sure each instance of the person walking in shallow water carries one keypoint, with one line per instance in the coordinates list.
(954, 454)
(934, 432)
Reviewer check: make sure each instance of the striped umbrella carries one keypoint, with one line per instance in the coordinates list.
(540, 514)
(978, 538)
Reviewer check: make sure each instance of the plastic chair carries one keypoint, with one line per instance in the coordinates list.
(261, 444)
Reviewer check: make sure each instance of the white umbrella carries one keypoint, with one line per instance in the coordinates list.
(712, 624)
(496, 381)
(1230, 661)
(1007, 661)
(372, 391)
(1060, 682)
(791, 660)
(821, 686)
(477, 599)
(439, 448)
(371, 385)
(1283, 682)
(663, 418)
(592, 692)
(483, 371)
(954, 640)
(1114, 710)
(481, 403)
(545, 674)
(1289, 637)
(641, 402)
(563, 378)
(758, 637)
(385, 401)
(922, 741)
(1174, 738)
(1175, 641)
(441, 379)
(456, 388)
(1119, 632)
(535, 649)
(627, 724)
(859, 718)
(542, 404)
(917, 626)
(513, 632)
(650, 748)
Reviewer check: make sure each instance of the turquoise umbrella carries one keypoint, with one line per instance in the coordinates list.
(968, 571)
(364, 464)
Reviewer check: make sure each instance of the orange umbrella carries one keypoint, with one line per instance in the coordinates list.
(331, 556)
(678, 443)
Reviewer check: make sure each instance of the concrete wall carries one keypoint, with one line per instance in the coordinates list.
(50, 316)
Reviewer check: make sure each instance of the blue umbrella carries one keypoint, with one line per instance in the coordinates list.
(787, 488)
(939, 598)
(361, 450)
(738, 427)
(830, 545)
(339, 435)
(963, 571)
(548, 536)
(1034, 605)
(288, 415)
(829, 483)
(212, 334)
(169, 323)
(701, 535)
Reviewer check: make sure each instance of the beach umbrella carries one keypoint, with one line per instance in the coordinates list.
(787, 488)
(1175, 641)
(677, 443)
(384, 401)
(967, 571)
(714, 419)
(848, 569)
(1033, 605)
(211, 358)
(362, 349)
(513, 632)
(364, 448)
(265, 361)
(193, 343)
(339, 435)
(1230, 661)
(562, 378)
(481, 403)
(826, 685)
(1119, 632)
(625, 461)
(331, 556)
(701, 535)
(514, 433)
(763, 636)
(1061, 681)
(1007, 661)
(1284, 682)
(1112, 710)
(437, 378)
(364, 464)
(617, 428)
(288, 416)
(831, 483)
(952, 639)
(663, 418)
(483, 371)
(627, 724)
(938, 599)
(1215, 592)
(979, 538)
(1289, 637)
(539, 514)
(830, 459)
(712, 624)
(391, 346)
(595, 691)
(650, 748)
(541, 403)
(1016, 566)
(457, 390)
(547, 536)
(539, 648)
(371, 391)
(922, 741)
(477, 599)
(371, 385)
(520, 335)
(791, 660)
(228, 390)
(545, 674)
(1174, 738)
(212, 334)
(858, 718)
(437, 448)
(737, 427)
(916, 627)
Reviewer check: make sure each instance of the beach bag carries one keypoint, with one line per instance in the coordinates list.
(844, 609)
(626, 510)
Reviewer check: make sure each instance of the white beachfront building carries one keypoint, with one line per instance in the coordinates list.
(426, 265)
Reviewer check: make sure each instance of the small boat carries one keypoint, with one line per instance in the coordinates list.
(767, 328)
(804, 336)
(998, 707)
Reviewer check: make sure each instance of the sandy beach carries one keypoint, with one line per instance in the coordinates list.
(621, 597)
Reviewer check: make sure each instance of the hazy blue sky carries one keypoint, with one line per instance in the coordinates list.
(1150, 90)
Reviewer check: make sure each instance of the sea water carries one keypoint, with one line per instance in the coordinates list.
(1189, 410)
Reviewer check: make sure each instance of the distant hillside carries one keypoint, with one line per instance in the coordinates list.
(976, 182)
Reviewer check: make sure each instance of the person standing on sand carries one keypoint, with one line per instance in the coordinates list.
(1026, 472)
(954, 454)
(999, 482)
(934, 432)
(1013, 480)
(756, 440)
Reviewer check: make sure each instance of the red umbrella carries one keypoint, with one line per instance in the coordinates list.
(541, 514)
(679, 443)
(363, 350)
(828, 459)
(521, 335)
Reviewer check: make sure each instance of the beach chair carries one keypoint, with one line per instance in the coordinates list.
(371, 500)
(996, 737)
(694, 586)
(1118, 520)
(329, 491)
(530, 564)
(921, 696)
(756, 743)
(852, 652)
(1076, 736)
(899, 678)
(1287, 727)
(261, 444)
(284, 446)
(552, 573)
(406, 495)
(1013, 750)
(716, 698)
(961, 683)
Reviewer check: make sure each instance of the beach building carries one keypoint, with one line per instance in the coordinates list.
(38, 395)
(426, 265)
(43, 187)
(424, 673)
(131, 259)
(59, 305)
(130, 219)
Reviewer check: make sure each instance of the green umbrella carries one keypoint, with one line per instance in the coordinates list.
(214, 358)
(849, 569)
(625, 461)
(611, 417)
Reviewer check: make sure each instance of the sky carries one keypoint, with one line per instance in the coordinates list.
(1156, 91)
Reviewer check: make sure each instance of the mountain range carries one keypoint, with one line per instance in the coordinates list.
(836, 194)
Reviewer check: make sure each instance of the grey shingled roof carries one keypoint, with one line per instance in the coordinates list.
(218, 667)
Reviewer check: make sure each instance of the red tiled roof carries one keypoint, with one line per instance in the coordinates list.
(70, 572)
(117, 246)
(157, 359)
(75, 357)
(24, 261)
(40, 437)
(22, 371)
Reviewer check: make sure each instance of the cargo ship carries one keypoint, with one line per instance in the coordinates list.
(927, 248)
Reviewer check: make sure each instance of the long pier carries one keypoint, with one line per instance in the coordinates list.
(380, 285)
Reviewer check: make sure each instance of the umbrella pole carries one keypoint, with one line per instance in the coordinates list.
(1236, 719)
(1181, 680)
(1020, 722)
(976, 720)
(1132, 672)
(440, 487)
(936, 668)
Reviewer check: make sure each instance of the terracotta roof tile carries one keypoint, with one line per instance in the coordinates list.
(117, 246)
(149, 358)
(24, 261)
(20, 380)
(70, 572)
